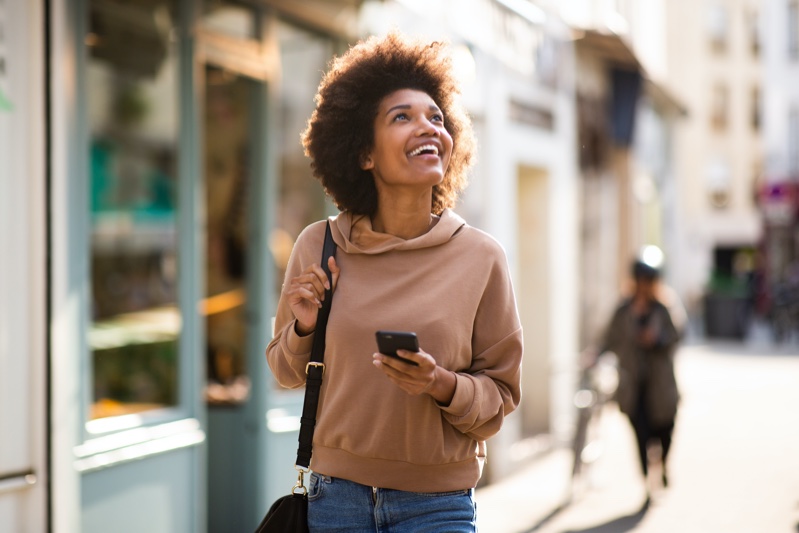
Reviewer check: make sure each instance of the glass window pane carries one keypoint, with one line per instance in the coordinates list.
(303, 56)
(229, 127)
(133, 118)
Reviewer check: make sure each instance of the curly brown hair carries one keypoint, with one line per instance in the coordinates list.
(341, 129)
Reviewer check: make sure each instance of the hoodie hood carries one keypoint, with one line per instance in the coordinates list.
(369, 241)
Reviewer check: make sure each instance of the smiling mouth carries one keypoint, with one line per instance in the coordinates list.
(425, 149)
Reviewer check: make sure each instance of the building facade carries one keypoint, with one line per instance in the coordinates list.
(705, 59)
(627, 122)
(714, 68)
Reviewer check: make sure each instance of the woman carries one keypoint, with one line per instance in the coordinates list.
(396, 444)
(643, 336)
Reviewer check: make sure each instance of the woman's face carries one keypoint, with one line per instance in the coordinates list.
(411, 146)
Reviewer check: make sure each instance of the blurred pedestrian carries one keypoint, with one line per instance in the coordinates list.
(643, 335)
(398, 445)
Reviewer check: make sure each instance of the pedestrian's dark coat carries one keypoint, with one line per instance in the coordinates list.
(655, 365)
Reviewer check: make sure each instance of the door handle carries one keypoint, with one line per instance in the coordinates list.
(17, 481)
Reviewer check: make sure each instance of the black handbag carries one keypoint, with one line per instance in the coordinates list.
(289, 513)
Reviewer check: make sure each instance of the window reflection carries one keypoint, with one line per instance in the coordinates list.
(228, 130)
(132, 100)
(303, 57)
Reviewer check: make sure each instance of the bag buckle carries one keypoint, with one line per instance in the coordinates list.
(318, 365)
(300, 485)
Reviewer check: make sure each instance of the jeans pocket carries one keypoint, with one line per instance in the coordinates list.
(315, 486)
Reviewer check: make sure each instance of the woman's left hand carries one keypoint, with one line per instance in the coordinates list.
(426, 378)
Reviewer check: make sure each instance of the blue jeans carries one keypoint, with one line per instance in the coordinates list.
(335, 504)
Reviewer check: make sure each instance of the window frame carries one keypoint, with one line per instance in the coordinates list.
(118, 439)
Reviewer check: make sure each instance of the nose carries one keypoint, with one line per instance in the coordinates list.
(426, 127)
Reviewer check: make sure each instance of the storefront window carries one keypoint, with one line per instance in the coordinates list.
(229, 113)
(133, 107)
(304, 57)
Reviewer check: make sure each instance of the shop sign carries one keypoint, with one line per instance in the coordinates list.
(778, 202)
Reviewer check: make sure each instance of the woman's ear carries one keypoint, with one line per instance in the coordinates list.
(366, 162)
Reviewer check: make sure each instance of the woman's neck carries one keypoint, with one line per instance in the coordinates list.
(403, 224)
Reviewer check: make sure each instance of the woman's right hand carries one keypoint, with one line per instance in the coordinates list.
(306, 292)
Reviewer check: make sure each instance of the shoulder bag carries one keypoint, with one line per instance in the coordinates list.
(289, 513)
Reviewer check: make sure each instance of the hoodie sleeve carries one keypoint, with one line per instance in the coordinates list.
(491, 388)
(288, 353)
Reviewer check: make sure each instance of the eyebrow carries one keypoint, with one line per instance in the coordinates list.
(432, 107)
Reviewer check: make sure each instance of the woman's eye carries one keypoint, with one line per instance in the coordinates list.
(437, 118)
(400, 116)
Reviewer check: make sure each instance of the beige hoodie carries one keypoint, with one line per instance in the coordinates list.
(452, 287)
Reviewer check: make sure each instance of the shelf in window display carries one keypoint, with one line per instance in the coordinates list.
(150, 326)
(125, 230)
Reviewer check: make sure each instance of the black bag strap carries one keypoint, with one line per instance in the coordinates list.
(315, 369)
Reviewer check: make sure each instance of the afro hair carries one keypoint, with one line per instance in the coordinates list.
(341, 128)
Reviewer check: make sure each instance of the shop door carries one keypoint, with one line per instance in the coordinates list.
(233, 352)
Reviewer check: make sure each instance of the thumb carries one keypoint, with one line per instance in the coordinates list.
(335, 271)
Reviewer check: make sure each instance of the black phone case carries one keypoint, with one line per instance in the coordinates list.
(388, 342)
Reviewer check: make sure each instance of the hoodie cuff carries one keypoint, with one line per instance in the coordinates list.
(463, 399)
(298, 345)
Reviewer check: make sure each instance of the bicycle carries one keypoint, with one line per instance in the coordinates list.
(598, 382)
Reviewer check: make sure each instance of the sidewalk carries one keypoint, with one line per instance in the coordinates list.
(527, 498)
(728, 465)
(533, 499)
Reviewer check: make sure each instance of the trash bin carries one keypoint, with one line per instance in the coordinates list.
(726, 316)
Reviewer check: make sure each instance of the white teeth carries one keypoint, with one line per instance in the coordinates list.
(424, 147)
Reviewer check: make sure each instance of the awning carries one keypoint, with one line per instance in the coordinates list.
(614, 49)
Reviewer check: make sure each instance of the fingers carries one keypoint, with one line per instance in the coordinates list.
(311, 284)
(412, 379)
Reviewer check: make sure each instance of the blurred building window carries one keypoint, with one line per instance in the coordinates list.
(756, 104)
(718, 181)
(793, 143)
(753, 22)
(132, 104)
(719, 106)
(717, 26)
(793, 29)
(303, 56)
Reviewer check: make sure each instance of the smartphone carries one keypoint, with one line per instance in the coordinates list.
(388, 342)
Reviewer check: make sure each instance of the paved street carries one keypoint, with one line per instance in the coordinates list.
(734, 466)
